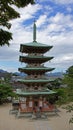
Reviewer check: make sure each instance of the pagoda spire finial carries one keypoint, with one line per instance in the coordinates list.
(34, 32)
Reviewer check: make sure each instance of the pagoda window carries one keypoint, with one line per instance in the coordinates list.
(27, 88)
(36, 88)
(30, 103)
(22, 106)
(29, 54)
(38, 76)
(31, 76)
(35, 64)
(38, 64)
(23, 99)
(35, 54)
(40, 54)
(35, 76)
(31, 88)
(32, 65)
(44, 99)
(39, 88)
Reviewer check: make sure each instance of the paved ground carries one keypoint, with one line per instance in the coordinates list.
(42, 125)
(9, 122)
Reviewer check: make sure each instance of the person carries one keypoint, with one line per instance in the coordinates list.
(40, 105)
(34, 109)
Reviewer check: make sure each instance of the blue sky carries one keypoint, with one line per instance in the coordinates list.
(54, 20)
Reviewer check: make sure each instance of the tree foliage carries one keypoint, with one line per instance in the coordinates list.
(5, 91)
(65, 93)
(8, 13)
(69, 72)
(68, 79)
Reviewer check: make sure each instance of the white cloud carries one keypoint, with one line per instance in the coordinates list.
(59, 1)
(61, 62)
(63, 58)
(59, 25)
(41, 20)
(8, 69)
(60, 18)
(62, 43)
(20, 32)
(69, 9)
(25, 14)
(10, 53)
(63, 1)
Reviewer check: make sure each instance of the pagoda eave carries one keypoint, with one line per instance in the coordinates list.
(35, 70)
(35, 48)
(28, 93)
(31, 59)
(31, 81)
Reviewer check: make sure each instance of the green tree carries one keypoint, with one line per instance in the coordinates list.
(56, 83)
(65, 94)
(8, 13)
(70, 71)
(5, 91)
(68, 79)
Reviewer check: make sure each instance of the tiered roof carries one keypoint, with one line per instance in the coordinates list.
(35, 55)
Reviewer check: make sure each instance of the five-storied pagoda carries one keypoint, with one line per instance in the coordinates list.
(34, 93)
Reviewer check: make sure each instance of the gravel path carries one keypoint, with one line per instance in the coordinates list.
(9, 122)
(42, 125)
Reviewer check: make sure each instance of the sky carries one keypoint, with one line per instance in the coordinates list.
(54, 21)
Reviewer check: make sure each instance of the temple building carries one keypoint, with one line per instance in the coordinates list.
(34, 93)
